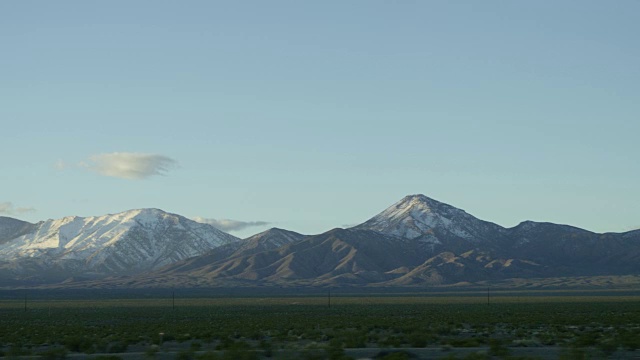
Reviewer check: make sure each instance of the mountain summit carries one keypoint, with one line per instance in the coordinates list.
(417, 216)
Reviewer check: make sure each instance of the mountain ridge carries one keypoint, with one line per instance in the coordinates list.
(417, 241)
(128, 242)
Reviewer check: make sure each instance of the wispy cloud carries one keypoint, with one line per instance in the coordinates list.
(60, 165)
(8, 208)
(132, 166)
(230, 225)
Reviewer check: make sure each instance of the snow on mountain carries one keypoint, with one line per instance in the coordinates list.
(414, 242)
(123, 243)
(418, 216)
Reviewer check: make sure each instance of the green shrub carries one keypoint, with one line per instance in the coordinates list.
(54, 353)
(496, 348)
(79, 344)
(587, 340)
(392, 341)
(607, 347)
(240, 354)
(469, 342)
(18, 350)
(118, 347)
(151, 351)
(573, 354)
(312, 354)
(335, 350)
(630, 342)
(477, 356)
(209, 355)
(184, 355)
(267, 348)
(230, 344)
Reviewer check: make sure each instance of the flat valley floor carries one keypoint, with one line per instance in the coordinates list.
(176, 324)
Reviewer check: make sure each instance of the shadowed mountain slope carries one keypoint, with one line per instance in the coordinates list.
(420, 241)
(416, 242)
(11, 228)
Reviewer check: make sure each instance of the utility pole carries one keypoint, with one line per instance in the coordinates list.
(488, 297)
(25, 301)
(329, 298)
(173, 300)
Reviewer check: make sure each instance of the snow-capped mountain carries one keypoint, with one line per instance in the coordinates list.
(422, 218)
(125, 243)
(416, 242)
(418, 215)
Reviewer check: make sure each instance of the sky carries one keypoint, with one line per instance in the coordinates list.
(314, 115)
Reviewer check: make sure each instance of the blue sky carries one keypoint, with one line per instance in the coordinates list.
(314, 115)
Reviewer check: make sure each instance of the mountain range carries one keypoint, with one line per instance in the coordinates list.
(417, 241)
(126, 243)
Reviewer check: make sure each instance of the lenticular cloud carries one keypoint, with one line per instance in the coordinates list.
(133, 166)
(228, 224)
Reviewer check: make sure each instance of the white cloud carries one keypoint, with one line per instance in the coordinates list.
(229, 225)
(60, 165)
(8, 208)
(131, 166)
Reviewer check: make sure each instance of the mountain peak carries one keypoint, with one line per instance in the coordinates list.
(143, 212)
(419, 201)
(276, 236)
(418, 215)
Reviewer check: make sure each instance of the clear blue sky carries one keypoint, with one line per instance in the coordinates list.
(314, 115)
